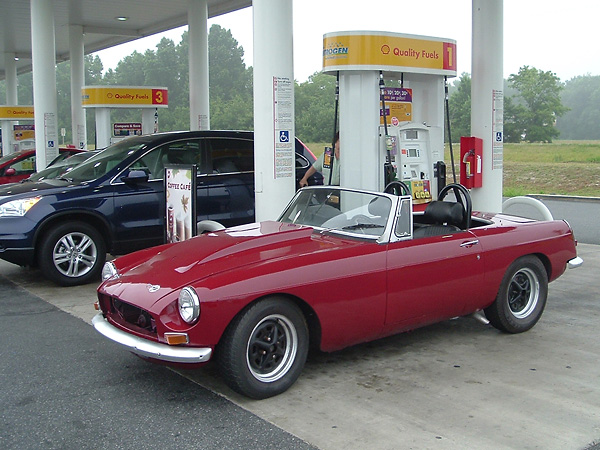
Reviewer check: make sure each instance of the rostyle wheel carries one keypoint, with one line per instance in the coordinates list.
(521, 298)
(264, 348)
(72, 253)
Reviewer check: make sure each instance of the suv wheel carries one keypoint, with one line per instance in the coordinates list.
(72, 253)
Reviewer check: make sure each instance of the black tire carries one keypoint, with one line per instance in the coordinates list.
(72, 253)
(521, 298)
(249, 361)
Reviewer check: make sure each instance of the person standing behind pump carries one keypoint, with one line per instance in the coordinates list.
(325, 171)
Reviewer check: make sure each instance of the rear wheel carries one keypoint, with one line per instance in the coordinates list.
(521, 298)
(72, 253)
(264, 349)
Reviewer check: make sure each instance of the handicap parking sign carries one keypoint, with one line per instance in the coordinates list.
(284, 136)
(498, 136)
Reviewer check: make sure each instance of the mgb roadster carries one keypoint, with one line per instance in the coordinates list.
(339, 267)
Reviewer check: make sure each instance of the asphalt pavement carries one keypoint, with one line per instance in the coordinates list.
(64, 388)
(582, 213)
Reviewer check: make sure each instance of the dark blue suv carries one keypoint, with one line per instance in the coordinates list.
(114, 201)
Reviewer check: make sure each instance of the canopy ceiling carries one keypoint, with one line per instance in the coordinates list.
(99, 20)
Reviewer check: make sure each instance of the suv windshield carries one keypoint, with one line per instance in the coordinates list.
(109, 158)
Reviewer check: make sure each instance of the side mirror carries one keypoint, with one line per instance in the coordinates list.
(135, 176)
(10, 172)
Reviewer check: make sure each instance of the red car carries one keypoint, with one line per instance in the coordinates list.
(338, 268)
(20, 165)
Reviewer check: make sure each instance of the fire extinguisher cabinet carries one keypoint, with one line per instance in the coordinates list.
(471, 161)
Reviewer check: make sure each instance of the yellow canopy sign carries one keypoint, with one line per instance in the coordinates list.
(124, 97)
(354, 50)
(16, 112)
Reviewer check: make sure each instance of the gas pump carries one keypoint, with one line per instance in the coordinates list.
(408, 146)
(414, 159)
(399, 133)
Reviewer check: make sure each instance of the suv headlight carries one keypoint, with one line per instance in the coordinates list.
(18, 208)
(188, 305)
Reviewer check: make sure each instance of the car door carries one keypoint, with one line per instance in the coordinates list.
(229, 182)
(431, 278)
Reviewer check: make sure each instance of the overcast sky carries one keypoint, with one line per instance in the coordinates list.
(550, 35)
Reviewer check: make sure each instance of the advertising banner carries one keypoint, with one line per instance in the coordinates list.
(398, 105)
(388, 51)
(180, 202)
(124, 129)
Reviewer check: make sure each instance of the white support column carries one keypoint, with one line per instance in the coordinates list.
(10, 71)
(274, 159)
(148, 120)
(103, 131)
(44, 81)
(487, 99)
(198, 61)
(76, 55)
(361, 166)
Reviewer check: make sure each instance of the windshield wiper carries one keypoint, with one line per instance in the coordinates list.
(362, 225)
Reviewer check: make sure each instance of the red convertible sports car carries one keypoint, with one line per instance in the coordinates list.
(338, 268)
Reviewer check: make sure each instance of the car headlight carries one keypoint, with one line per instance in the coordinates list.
(189, 305)
(109, 270)
(18, 208)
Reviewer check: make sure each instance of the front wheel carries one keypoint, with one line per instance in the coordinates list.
(521, 298)
(264, 349)
(72, 253)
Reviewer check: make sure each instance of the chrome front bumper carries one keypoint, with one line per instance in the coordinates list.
(150, 349)
(574, 263)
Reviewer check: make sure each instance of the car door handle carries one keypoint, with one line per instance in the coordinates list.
(470, 244)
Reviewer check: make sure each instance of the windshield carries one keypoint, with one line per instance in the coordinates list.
(335, 209)
(61, 167)
(109, 158)
(11, 156)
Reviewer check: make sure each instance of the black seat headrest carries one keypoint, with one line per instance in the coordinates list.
(451, 213)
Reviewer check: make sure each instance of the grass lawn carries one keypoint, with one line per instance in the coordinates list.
(562, 167)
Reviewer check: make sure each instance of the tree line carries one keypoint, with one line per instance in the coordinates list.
(538, 107)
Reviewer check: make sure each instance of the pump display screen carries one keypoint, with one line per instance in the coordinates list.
(413, 153)
(412, 134)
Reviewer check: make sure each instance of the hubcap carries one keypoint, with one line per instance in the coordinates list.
(74, 254)
(523, 293)
(272, 348)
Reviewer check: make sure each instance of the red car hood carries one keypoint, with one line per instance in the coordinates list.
(178, 265)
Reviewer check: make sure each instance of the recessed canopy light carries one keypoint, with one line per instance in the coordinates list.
(121, 18)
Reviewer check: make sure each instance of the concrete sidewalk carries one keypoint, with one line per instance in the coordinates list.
(458, 384)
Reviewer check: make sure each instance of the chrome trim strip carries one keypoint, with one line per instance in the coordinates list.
(469, 244)
(575, 263)
(150, 349)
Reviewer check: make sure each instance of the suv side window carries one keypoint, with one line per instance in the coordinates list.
(177, 152)
(228, 155)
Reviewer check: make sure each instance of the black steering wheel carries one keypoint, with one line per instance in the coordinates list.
(397, 188)
(463, 197)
